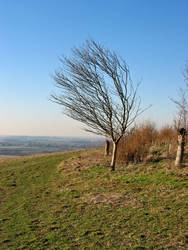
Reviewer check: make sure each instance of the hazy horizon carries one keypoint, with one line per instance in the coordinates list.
(59, 136)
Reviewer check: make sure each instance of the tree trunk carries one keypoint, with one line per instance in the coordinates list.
(107, 148)
(114, 154)
(180, 150)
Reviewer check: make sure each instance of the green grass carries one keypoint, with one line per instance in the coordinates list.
(73, 201)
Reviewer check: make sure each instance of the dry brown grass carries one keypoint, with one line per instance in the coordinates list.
(87, 158)
(135, 146)
(147, 144)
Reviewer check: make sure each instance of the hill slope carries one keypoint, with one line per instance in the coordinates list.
(72, 201)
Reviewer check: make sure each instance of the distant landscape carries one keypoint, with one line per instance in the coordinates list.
(11, 146)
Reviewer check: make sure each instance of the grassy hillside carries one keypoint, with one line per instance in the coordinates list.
(72, 201)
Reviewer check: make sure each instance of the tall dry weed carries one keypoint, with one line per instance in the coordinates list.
(146, 143)
(135, 145)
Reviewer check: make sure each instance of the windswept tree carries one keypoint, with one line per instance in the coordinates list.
(95, 89)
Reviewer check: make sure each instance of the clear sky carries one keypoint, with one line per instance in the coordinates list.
(151, 35)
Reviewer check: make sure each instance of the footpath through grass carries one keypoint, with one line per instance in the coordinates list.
(73, 201)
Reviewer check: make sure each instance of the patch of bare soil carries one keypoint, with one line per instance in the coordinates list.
(109, 198)
(112, 198)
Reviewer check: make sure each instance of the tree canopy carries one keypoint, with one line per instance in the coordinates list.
(96, 89)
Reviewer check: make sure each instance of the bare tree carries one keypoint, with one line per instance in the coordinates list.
(96, 90)
(181, 119)
(181, 124)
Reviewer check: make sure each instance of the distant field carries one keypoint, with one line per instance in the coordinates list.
(30, 145)
(73, 201)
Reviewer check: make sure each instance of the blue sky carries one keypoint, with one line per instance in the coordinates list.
(152, 37)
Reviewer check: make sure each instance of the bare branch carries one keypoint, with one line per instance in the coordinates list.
(181, 119)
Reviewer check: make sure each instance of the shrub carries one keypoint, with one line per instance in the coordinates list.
(136, 144)
(167, 135)
(146, 143)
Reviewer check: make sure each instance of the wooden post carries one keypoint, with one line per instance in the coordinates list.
(107, 148)
(169, 147)
(114, 154)
(181, 144)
